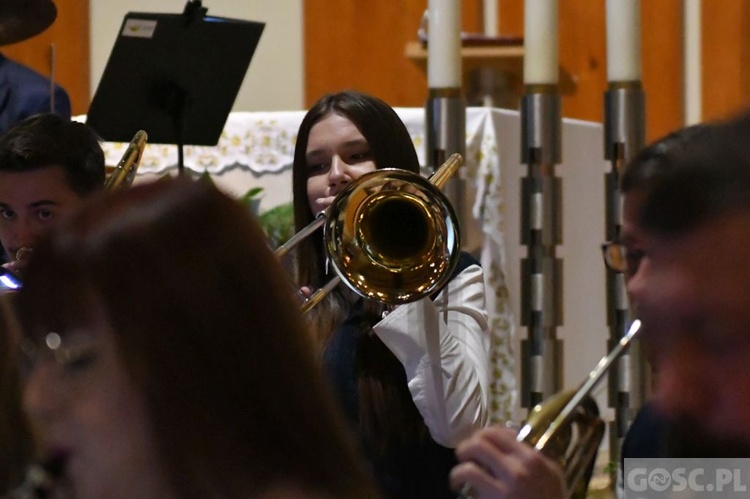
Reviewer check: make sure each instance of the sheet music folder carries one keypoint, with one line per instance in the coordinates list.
(176, 76)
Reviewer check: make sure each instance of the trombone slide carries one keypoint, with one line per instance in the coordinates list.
(124, 173)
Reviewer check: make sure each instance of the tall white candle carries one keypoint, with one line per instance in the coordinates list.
(623, 40)
(540, 62)
(490, 19)
(444, 44)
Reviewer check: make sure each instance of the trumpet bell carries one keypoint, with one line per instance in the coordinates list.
(392, 236)
(574, 443)
(567, 426)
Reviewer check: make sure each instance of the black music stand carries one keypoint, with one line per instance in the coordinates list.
(176, 76)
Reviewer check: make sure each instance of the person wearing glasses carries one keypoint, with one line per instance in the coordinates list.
(640, 175)
(498, 467)
(654, 434)
(694, 294)
(651, 434)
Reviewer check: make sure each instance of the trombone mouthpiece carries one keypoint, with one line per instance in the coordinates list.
(446, 170)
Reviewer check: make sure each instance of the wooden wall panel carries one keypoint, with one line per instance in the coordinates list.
(661, 59)
(70, 35)
(511, 17)
(360, 44)
(744, 53)
(725, 52)
(583, 59)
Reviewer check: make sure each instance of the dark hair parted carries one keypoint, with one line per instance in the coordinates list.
(654, 160)
(391, 146)
(46, 140)
(388, 416)
(384, 131)
(711, 177)
(205, 325)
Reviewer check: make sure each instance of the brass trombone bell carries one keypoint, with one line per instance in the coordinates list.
(391, 236)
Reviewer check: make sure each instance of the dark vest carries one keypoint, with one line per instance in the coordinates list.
(417, 470)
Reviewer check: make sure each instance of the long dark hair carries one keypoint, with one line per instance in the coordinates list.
(388, 139)
(387, 413)
(208, 331)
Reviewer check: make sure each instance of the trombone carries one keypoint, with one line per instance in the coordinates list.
(124, 173)
(391, 236)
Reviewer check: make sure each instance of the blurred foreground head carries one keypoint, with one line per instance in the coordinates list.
(164, 355)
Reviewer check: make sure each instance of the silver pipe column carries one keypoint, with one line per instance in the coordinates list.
(624, 136)
(445, 115)
(541, 232)
(445, 108)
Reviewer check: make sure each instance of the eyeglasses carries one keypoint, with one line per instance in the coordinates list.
(615, 257)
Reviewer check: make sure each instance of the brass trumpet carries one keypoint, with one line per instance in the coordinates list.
(368, 255)
(567, 426)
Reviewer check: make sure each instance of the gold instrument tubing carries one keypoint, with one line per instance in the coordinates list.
(124, 173)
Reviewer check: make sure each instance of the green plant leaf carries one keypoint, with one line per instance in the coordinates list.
(278, 224)
(206, 177)
(253, 193)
